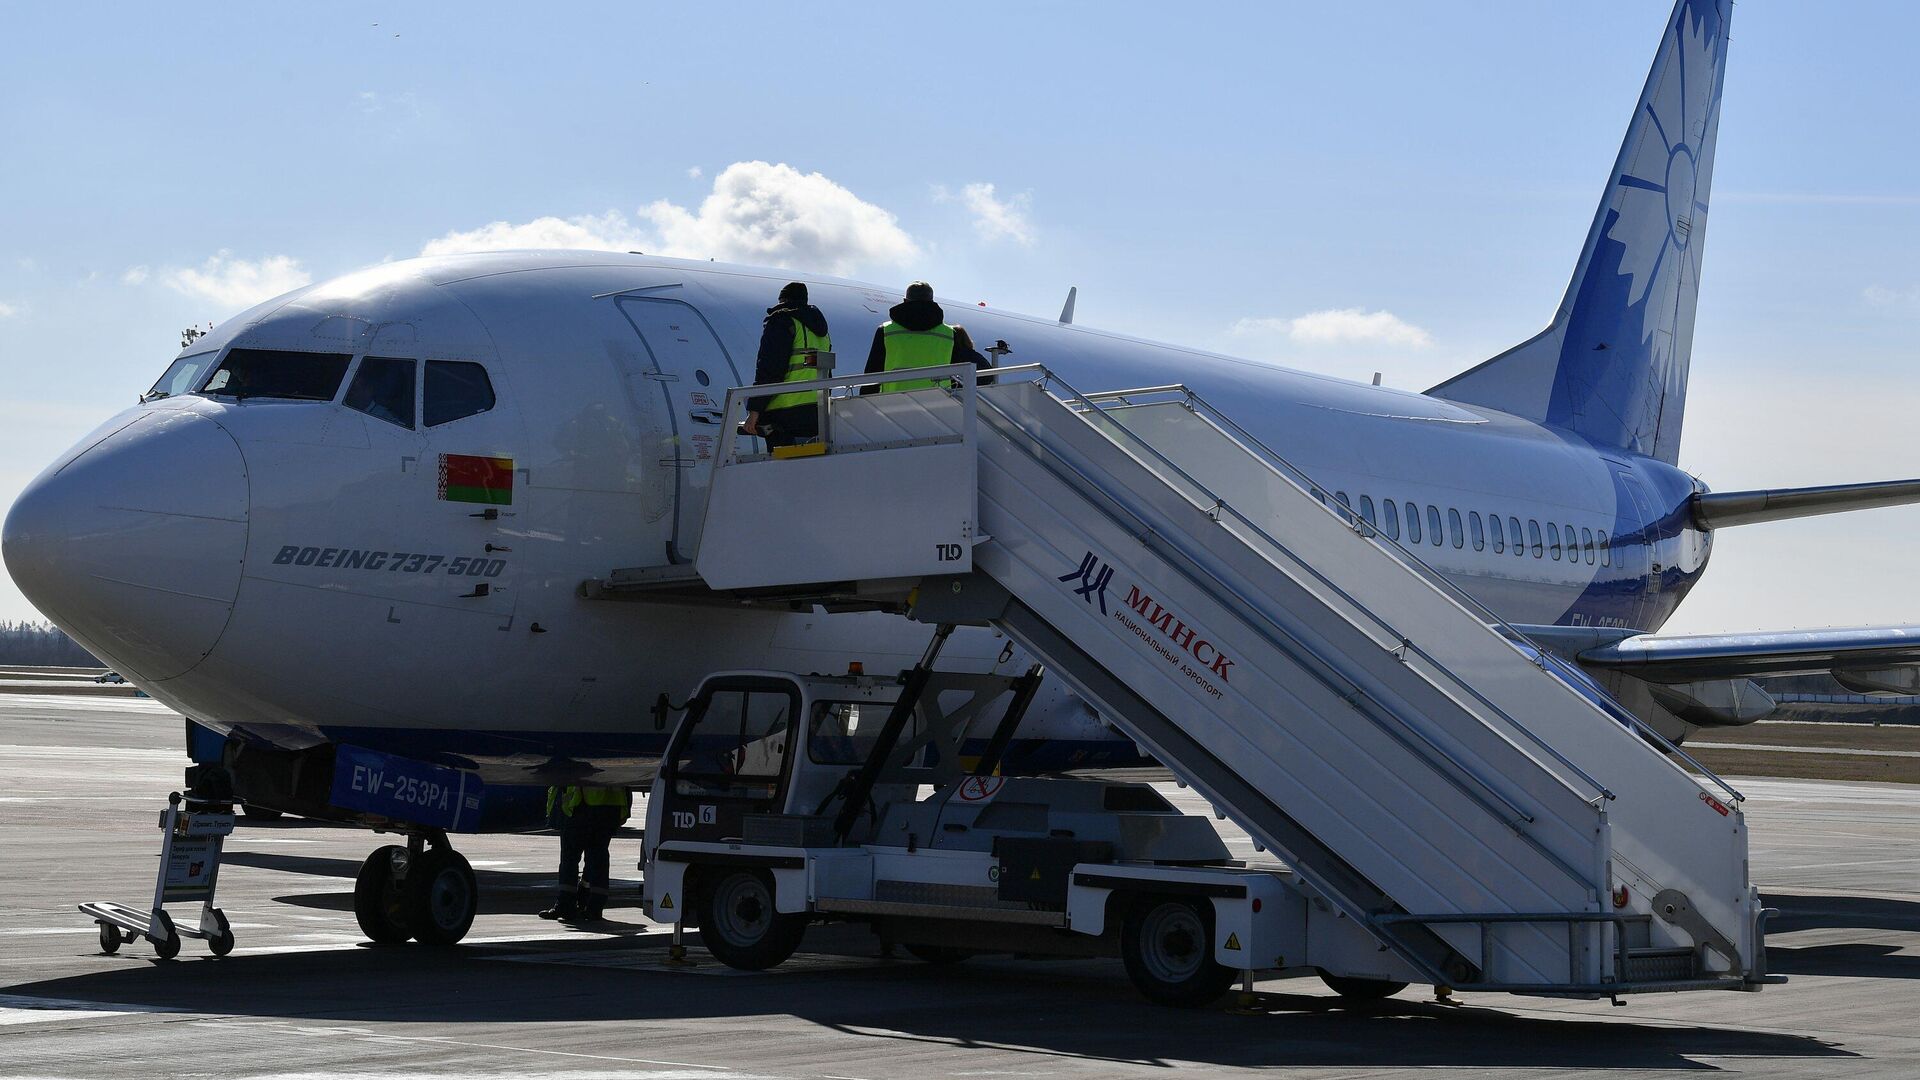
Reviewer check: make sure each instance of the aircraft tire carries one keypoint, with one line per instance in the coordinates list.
(739, 926)
(1167, 946)
(442, 896)
(379, 901)
(1358, 990)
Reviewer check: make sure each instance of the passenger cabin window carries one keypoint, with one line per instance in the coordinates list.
(1519, 545)
(1454, 532)
(1553, 541)
(1586, 543)
(455, 389)
(383, 389)
(182, 375)
(1433, 525)
(1413, 523)
(1342, 496)
(273, 373)
(1606, 550)
(1499, 538)
(1533, 537)
(1366, 510)
(1391, 518)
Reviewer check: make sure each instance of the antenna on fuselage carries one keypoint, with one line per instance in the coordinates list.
(1066, 313)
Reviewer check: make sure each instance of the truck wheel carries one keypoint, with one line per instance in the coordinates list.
(1168, 949)
(740, 927)
(936, 954)
(1360, 989)
(442, 896)
(379, 903)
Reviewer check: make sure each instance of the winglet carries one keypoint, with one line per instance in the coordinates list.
(1066, 313)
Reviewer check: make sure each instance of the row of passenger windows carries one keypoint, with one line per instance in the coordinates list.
(1553, 541)
(382, 386)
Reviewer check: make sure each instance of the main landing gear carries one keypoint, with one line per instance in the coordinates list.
(424, 890)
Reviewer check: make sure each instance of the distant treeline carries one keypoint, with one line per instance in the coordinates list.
(41, 643)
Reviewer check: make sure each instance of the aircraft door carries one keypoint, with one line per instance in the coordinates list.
(693, 371)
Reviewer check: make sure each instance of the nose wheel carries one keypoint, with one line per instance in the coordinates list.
(424, 893)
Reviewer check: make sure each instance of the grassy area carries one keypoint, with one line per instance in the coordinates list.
(1824, 765)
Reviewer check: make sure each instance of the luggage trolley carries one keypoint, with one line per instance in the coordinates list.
(189, 868)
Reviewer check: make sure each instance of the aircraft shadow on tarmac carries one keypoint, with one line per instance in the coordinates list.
(1071, 1009)
(501, 891)
(1878, 960)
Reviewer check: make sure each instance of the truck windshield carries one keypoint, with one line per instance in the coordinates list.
(737, 744)
(845, 732)
(275, 373)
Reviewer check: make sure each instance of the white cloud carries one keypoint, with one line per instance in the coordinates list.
(777, 215)
(134, 275)
(8, 311)
(994, 218)
(695, 172)
(239, 283)
(610, 231)
(1881, 296)
(1339, 326)
(759, 213)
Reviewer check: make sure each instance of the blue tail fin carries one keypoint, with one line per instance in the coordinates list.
(1612, 367)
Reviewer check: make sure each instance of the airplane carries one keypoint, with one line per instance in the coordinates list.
(361, 525)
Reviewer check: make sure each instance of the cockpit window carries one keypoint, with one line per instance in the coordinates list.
(273, 373)
(455, 389)
(182, 375)
(383, 389)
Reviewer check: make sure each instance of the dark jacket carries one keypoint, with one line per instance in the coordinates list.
(776, 345)
(921, 315)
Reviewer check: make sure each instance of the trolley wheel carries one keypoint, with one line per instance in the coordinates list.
(941, 955)
(379, 902)
(1357, 990)
(1167, 945)
(740, 927)
(442, 896)
(109, 937)
(221, 943)
(168, 947)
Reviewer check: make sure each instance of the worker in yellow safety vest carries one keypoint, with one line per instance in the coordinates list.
(792, 337)
(587, 818)
(916, 335)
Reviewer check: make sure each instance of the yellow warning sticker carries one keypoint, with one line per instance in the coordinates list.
(1233, 942)
(1036, 874)
(666, 902)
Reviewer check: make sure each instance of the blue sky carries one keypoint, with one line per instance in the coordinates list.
(1214, 176)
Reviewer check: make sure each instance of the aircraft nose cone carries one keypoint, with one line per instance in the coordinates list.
(134, 546)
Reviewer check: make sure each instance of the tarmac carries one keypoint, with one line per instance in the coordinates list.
(82, 780)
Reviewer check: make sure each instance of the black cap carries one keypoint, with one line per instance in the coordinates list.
(920, 290)
(793, 292)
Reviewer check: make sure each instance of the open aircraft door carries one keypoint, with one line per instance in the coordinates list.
(693, 372)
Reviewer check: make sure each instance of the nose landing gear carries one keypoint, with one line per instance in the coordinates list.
(425, 891)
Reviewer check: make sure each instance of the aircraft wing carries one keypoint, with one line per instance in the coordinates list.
(1880, 659)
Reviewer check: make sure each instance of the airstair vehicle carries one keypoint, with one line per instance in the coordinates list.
(1488, 819)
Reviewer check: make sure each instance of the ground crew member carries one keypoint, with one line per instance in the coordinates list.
(587, 818)
(793, 332)
(916, 335)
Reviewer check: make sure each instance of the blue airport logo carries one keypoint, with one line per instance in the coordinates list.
(1093, 576)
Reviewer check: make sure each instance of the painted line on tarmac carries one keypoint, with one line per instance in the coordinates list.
(1831, 750)
(442, 1040)
(16, 1009)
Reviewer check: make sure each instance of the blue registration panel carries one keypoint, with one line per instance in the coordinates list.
(405, 789)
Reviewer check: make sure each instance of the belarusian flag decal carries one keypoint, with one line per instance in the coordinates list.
(465, 478)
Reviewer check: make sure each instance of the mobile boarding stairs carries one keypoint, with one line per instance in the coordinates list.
(1493, 820)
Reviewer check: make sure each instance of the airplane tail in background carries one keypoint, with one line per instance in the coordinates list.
(1612, 367)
